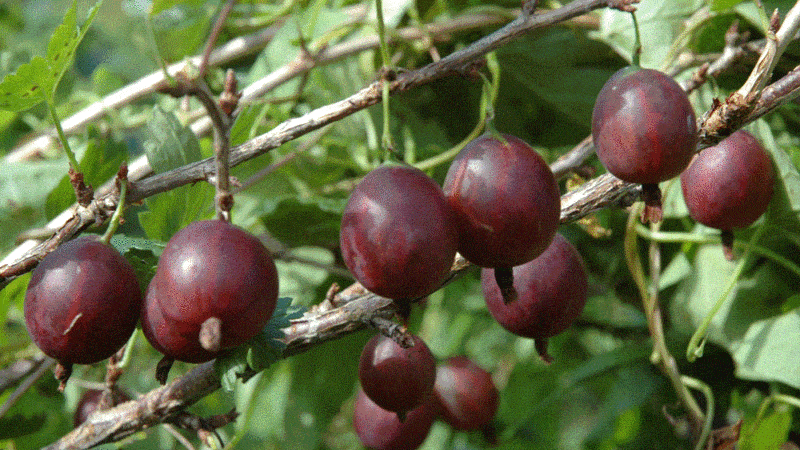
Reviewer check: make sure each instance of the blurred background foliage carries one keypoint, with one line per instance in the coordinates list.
(602, 392)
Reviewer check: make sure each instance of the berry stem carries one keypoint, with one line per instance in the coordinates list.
(504, 276)
(162, 369)
(488, 98)
(727, 239)
(651, 195)
(211, 334)
(660, 356)
(541, 349)
(698, 385)
(63, 372)
(122, 181)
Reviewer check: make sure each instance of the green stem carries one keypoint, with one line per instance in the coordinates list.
(114, 224)
(709, 394)
(679, 237)
(660, 355)
(63, 137)
(637, 43)
(697, 342)
(488, 97)
(126, 355)
(385, 92)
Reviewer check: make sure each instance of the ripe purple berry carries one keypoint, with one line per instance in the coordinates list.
(215, 288)
(82, 303)
(551, 294)
(644, 130)
(395, 378)
(466, 394)
(380, 429)
(729, 185)
(506, 201)
(397, 235)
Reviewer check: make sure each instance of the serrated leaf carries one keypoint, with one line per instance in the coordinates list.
(170, 144)
(27, 87)
(36, 81)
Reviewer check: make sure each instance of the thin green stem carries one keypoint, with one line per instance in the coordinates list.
(679, 237)
(637, 43)
(114, 224)
(386, 139)
(489, 92)
(709, 395)
(661, 356)
(126, 355)
(63, 137)
(695, 348)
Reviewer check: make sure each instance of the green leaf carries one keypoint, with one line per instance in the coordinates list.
(170, 145)
(659, 26)
(29, 183)
(100, 162)
(751, 325)
(321, 218)
(36, 81)
(260, 352)
(141, 253)
(724, 5)
(769, 433)
(169, 212)
(163, 5)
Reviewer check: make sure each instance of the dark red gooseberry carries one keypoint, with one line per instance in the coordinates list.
(396, 378)
(467, 396)
(729, 185)
(380, 429)
(551, 294)
(643, 126)
(506, 201)
(82, 303)
(95, 399)
(214, 283)
(397, 235)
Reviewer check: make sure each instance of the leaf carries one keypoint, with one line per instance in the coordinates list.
(724, 5)
(141, 253)
(169, 212)
(170, 144)
(260, 352)
(163, 5)
(659, 26)
(751, 325)
(320, 219)
(769, 433)
(28, 183)
(100, 162)
(36, 80)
